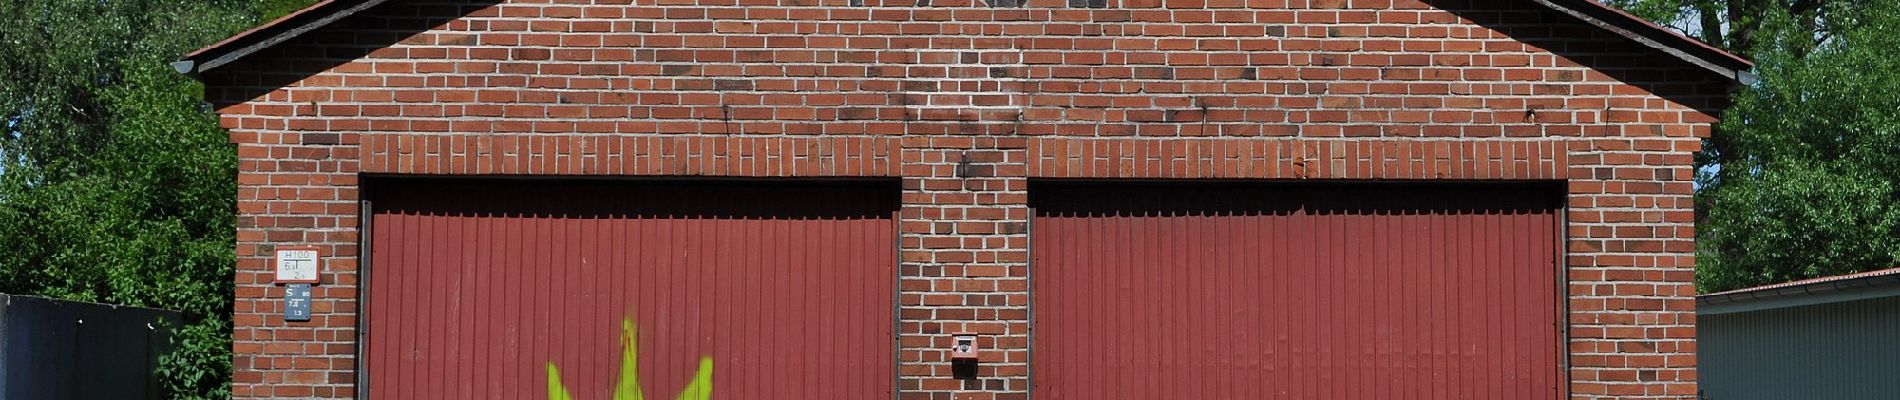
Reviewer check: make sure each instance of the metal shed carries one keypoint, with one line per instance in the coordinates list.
(1827, 338)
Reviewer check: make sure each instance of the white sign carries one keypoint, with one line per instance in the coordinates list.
(297, 265)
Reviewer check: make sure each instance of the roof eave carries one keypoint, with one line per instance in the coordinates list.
(1713, 59)
(1866, 285)
(272, 33)
(1723, 63)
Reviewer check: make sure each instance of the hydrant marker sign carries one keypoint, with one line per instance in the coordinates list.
(297, 265)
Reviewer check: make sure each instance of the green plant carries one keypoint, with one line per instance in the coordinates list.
(1801, 178)
(116, 183)
(628, 386)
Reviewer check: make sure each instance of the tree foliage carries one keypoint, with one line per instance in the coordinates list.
(1735, 24)
(116, 183)
(1801, 178)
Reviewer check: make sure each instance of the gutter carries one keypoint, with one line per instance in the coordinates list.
(1876, 285)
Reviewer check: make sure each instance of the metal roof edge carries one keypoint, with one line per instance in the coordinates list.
(1657, 37)
(272, 33)
(1596, 14)
(1791, 301)
(1833, 289)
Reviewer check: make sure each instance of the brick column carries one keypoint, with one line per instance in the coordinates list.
(964, 244)
(294, 189)
(1631, 264)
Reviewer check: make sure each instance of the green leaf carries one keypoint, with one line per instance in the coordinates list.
(628, 386)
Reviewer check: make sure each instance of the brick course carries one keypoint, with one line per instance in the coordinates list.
(966, 101)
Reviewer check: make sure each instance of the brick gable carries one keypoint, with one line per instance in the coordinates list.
(965, 103)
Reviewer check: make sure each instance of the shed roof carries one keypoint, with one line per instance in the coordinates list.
(1591, 12)
(1829, 289)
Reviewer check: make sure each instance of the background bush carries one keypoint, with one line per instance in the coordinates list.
(116, 183)
(1802, 177)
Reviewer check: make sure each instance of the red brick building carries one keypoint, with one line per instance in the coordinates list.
(1114, 198)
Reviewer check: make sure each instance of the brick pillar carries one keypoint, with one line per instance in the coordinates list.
(1631, 266)
(294, 189)
(964, 244)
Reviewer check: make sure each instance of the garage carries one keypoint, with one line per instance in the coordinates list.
(1295, 290)
(514, 288)
(1138, 199)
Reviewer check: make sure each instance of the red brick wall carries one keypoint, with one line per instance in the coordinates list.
(1261, 89)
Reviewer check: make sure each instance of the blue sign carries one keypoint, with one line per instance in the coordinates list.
(297, 302)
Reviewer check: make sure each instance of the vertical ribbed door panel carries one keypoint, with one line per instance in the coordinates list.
(1297, 291)
(488, 289)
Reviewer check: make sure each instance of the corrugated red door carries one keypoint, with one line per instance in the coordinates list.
(1299, 291)
(483, 289)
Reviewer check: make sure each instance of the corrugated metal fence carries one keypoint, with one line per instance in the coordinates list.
(55, 349)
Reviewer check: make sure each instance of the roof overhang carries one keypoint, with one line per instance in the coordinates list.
(269, 34)
(1657, 37)
(1591, 12)
(1833, 289)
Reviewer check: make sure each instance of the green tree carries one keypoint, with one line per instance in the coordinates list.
(1734, 24)
(116, 183)
(1800, 179)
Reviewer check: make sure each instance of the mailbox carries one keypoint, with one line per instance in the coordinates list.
(963, 347)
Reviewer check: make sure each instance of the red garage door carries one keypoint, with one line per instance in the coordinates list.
(490, 289)
(1151, 291)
